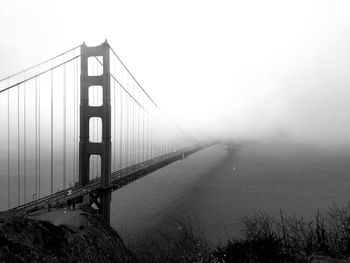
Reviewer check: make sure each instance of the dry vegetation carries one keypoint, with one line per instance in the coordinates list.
(285, 239)
(326, 238)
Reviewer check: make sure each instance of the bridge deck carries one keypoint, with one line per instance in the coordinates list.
(119, 179)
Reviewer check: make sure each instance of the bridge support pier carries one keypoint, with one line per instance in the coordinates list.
(105, 210)
(86, 146)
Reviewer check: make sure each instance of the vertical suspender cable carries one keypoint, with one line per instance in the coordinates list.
(143, 128)
(36, 137)
(24, 143)
(18, 149)
(159, 135)
(74, 119)
(147, 145)
(64, 128)
(39, 134)
(151, 132)
(129, 132)
(123, 123)
(127, 127)
(51, 137)
(133, 127)
(77, 112)
(8, 147)
(146, 132)
(155, 134)
(164, 135)
(138, 128)
(125, 130)
(121, 129)
(75, 106)
(114, 123)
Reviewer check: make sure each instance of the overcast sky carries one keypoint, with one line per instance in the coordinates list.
(238, 69)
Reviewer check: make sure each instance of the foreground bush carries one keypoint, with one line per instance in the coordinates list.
(265, 240)
(187, 244)
(290, 238)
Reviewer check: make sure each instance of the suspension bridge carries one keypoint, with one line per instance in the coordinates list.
(79, 126)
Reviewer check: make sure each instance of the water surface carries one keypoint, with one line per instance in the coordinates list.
(215, 187)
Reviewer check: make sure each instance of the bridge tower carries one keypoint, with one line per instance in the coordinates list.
(86, 146)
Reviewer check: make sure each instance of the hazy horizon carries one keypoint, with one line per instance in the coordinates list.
(231, 70)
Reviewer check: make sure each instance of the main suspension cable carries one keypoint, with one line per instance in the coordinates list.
(41, 63)
(37, 75)
(149, 97)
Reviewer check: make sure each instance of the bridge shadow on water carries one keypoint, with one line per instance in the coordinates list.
(154, 203)
(214, 188)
